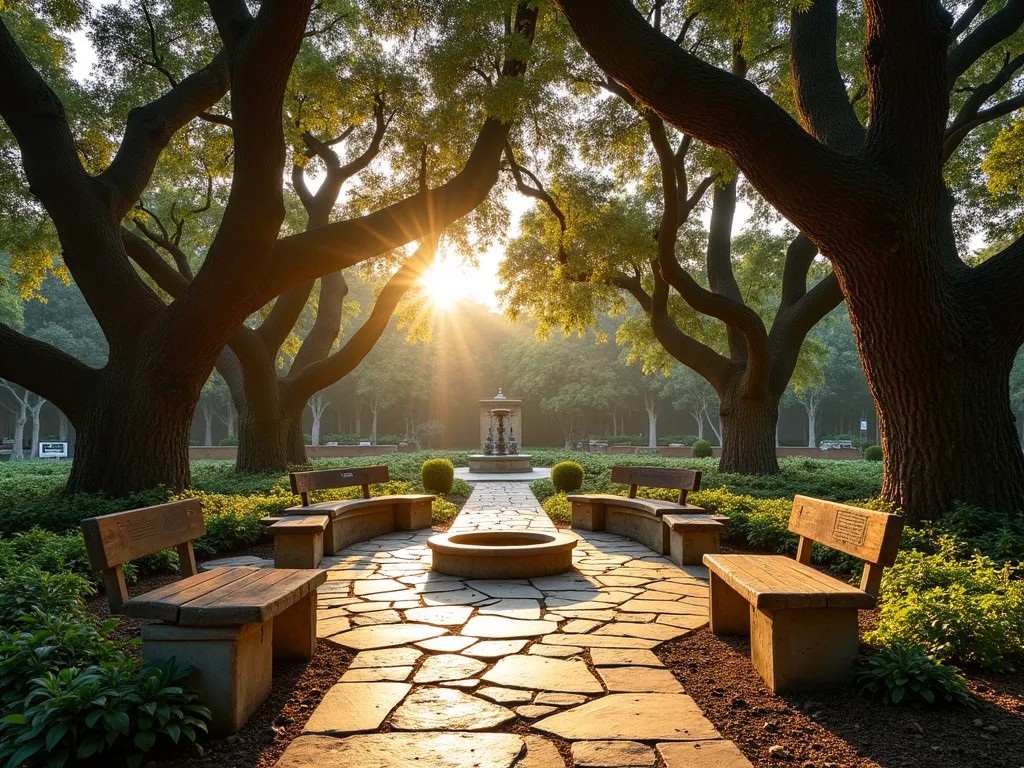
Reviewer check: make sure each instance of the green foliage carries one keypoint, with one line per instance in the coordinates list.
(904, 674)
(442, 512)
(112, 710)
(873, 453)
(567, 476)
(963, 610)
(460, 488)
(437, 475)
(559, 509)
(702, 450)
(228, 440)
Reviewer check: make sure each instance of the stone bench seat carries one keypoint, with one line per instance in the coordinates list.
(691, 536)
(803, 623)
(351, 520)
(685, 539)
(298, 540)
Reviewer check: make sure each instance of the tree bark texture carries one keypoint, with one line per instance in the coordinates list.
(748, 433)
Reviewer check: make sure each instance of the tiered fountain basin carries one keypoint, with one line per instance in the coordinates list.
(482, 464)
(501, 554)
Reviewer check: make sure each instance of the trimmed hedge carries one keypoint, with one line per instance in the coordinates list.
(437, 475)
(567, 476)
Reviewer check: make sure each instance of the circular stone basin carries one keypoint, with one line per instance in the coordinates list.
(501, 554)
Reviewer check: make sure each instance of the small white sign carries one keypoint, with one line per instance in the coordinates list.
(863, 423)
(364, 442)
(53, 450)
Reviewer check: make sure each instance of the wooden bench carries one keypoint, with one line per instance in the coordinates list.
(802, 623)
(228, 624)
(330, 526)
(682, 531)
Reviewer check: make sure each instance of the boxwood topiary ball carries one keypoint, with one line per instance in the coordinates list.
(437, 475)
(567, 476)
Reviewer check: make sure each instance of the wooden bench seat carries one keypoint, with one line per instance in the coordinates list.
(352, 520)
(228, 624)
(803, 623)
(685, 539)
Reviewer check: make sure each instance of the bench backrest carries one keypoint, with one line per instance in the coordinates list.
(323, 479)
(682, 480)
(112, 540)
(872, 536)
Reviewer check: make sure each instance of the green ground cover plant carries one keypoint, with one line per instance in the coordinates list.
(902, 674)
(68, 690)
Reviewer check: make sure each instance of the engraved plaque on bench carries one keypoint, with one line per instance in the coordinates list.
(850, 526)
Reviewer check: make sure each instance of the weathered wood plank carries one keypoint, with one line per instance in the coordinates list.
(164, 603)
(293, 524)
(119, 538)
(864, 533)
(683, 480)
(255, 601)
(318, 480)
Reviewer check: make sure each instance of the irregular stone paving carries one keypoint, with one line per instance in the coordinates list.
(445, 666)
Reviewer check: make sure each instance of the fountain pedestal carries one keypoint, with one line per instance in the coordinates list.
(482, 464)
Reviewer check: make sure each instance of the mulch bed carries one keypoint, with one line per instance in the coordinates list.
(829, 730)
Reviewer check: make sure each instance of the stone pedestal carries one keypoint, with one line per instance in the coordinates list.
(480, 464)
(232, 665)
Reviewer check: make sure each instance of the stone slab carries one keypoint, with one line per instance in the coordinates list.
(540, 753)
(545, 674)
(446, 709)
(387, 657)
(702, 754)
(555, 651)
(494, 649)
(624, 657)
(405, 750)
(612, 754)
(632, 717)
(447, 667)
(559, 699)
(533, 711)
(498, 627)
(444, 615)
(447, 643)
(355, 707)
(370, 674)
(650, 631)
(505, 589)
(385, 636)
(505, 695)
(513, 608)
(639, 680)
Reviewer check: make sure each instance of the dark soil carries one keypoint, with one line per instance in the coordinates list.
(829, 730)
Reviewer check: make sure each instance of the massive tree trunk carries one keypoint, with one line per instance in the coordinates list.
(117, 460)
(748, 432)
(940, 380)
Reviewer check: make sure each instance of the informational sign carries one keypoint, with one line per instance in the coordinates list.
(56, 450)
(834, 445)
(863, 424)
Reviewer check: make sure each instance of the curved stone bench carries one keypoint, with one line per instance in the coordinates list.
(682, 531)
(348, 521)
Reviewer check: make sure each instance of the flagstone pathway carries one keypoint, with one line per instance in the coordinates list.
(453, 672)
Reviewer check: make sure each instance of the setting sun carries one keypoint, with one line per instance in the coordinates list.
(447, 281)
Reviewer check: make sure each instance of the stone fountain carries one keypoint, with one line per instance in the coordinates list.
(501, 450)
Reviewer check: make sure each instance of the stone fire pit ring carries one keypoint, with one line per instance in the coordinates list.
(501, 554)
